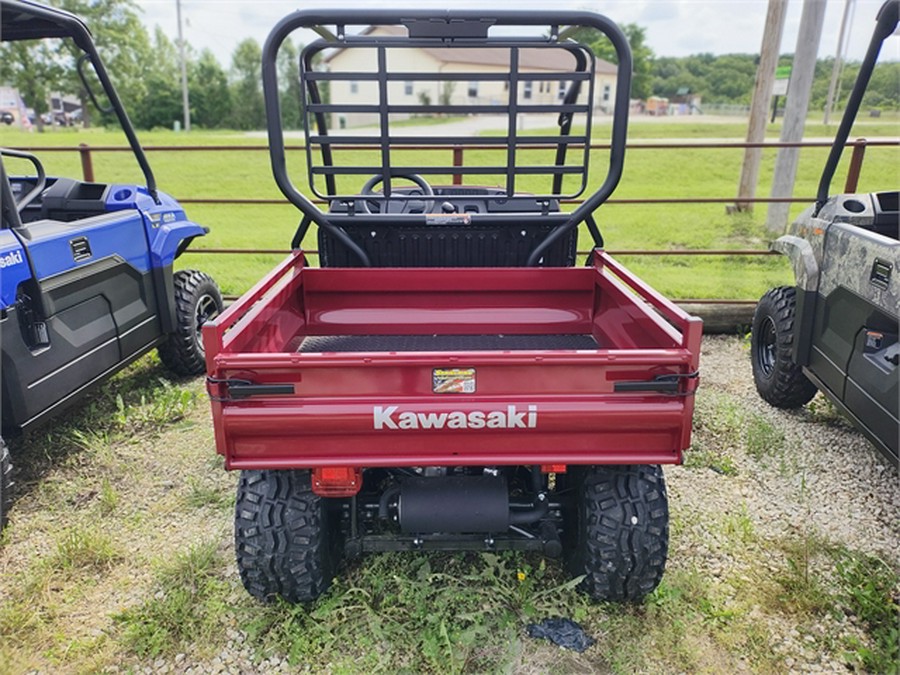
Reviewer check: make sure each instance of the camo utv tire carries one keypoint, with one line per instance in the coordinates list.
(618, 532)
(197, 300)
(779, 381)
(285, 544)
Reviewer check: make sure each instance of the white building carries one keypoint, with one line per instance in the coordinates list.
(421, 60)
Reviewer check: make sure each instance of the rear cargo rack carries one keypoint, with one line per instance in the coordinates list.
(387, 111)
(361, 91)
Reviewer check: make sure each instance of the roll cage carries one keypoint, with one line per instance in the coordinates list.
(455, 34)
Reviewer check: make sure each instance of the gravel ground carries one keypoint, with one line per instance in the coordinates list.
(829, 478)
(826, 483)
(820, 480)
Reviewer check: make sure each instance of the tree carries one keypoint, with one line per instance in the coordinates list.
(642, 55)
(670, 76)
(33, 69)
(248, 109)
(289, 83)
(123, 44)
(162, 105)
(210, 96)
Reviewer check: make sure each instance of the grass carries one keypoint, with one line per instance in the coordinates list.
(725, 428)
(83, 550)
(718, 432)
(435, 613)
(188, 605)
(100, 494)
(102, 567)
(119, 554)
(868, 590)
(648, 174)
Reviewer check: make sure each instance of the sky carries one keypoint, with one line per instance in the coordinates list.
(674, 27)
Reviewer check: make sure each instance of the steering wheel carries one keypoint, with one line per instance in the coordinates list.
(28, 197)
(406, 204)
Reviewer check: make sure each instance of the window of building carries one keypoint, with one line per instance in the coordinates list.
(606, 92)
(473, 89)
(561, 94)
(354, 87)
(408, 88)
(526, 90)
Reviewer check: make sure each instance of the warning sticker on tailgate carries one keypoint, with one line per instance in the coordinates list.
(453, 380)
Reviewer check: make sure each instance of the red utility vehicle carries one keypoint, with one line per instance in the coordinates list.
(447, 379)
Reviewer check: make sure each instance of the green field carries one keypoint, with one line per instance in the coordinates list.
(649, 173)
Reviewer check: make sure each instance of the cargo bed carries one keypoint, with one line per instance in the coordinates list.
(349, 367)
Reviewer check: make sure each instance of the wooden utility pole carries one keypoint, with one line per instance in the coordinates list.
(838, 63)
(802, 72)
(759, 104)
(184, 84)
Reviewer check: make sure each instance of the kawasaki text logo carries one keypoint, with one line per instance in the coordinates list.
(511, 418)
(14, 258)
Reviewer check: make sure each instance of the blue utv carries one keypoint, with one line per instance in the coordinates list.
(86, 269)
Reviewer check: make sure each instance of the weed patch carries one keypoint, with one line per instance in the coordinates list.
(202, 491)
(822, 411)
(738, 526)
(83, 550)
(187, 607)
(435, 613)
(109, 497)
(801, 581)
(762, 438)
(709, 458)
(718, 424)
(161, 405)
(870, 590)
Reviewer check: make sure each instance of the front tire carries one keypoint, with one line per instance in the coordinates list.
(618, 534)
(197, 300)
(5, 484)
(779, 381)
(284, 543)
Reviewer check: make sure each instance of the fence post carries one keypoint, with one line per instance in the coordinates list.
(856, 160)
(87, 164)
(457, 161)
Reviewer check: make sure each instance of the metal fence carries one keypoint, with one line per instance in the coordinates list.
(858, 147)
(857, 158)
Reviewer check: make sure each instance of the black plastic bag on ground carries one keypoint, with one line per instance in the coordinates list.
(563, 632)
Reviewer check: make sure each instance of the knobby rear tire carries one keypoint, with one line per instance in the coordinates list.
(284, 543)
(618, 535)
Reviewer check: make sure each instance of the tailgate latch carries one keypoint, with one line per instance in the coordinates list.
(664, 384)
(238, 389)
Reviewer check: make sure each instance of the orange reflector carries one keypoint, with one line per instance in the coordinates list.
(336, 481)
(553, 468)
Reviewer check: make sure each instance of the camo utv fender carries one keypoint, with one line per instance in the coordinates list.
(803, 260)
(803, 245)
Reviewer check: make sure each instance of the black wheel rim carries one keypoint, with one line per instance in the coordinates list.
(765, 347)
(207, 308)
